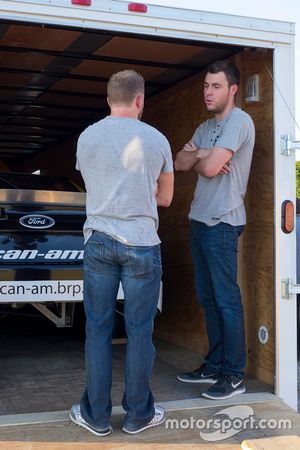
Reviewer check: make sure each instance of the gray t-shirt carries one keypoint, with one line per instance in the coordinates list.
(221, 198)
(120, 160)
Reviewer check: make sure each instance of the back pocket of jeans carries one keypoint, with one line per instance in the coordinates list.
(141, 261)
(94, 255)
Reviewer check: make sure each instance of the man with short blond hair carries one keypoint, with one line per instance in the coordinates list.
(123, 86)
(128, 171)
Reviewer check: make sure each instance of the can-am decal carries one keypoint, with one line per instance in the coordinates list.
(37, 221)
(31, 255)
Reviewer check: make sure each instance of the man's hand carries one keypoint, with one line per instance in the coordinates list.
(189, 147)
(226, 169)
(187, 157)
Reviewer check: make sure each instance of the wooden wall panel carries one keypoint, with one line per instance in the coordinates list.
(177, 113)
(182, 320)
(258, 240)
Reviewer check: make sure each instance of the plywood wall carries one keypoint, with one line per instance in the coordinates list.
(258, 241)
(177, 114)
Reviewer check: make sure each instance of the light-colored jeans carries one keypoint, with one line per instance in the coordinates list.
(106, 263)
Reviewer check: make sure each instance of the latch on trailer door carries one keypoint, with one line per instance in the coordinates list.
(287, 144)
(288, 288)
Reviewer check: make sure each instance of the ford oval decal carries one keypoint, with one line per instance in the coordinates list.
(37, 221)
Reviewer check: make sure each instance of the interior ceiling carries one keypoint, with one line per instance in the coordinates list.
(53, 80)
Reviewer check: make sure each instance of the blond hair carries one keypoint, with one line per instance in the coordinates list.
(124, 86)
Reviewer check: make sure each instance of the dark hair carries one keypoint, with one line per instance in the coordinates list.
(230, 70)
(122, 87)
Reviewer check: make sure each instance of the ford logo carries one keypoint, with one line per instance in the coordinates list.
(37, 221)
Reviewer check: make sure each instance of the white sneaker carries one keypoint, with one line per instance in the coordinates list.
(158, 419)
(76, 417)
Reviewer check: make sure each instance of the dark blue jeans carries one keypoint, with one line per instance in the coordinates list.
(214, 252)
(106, 263)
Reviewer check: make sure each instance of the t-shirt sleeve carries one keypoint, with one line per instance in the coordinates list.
(168, 160)
(77, 155)
(234, 134)
(196, 138)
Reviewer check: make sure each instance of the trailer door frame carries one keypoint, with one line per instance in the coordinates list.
(285, 244)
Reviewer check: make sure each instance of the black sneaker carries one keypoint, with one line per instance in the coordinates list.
(227, 386)
(76, 417)
(202, 375)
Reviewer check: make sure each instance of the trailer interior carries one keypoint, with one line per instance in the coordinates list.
(52, 86)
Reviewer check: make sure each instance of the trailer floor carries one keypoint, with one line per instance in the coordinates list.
(42, 375)
(42, 369)
(61, 434)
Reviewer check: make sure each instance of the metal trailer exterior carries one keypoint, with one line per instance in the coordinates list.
(181, 23)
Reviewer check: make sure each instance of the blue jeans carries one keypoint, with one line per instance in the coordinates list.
(106, 263)
(214, 252)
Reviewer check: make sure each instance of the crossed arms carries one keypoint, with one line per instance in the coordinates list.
(206, 162)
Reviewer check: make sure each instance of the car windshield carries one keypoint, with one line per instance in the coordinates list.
(10, 180)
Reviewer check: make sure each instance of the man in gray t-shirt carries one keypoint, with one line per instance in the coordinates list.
(127, 169)
(121, 182)
(220, 151)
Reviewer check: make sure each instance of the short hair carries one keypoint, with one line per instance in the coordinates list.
(124, 86)
(230, 70)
